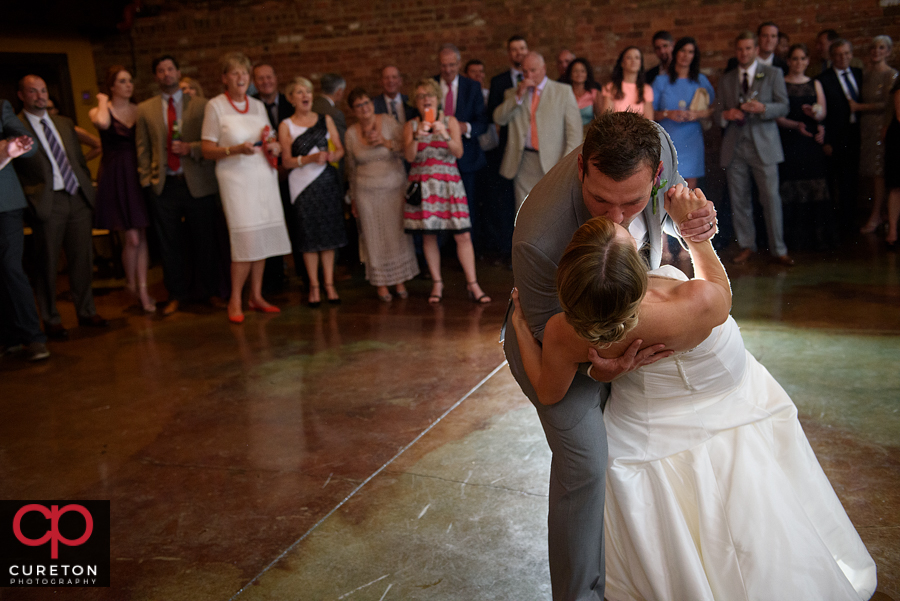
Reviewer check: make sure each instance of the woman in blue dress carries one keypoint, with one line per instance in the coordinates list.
(672, 99)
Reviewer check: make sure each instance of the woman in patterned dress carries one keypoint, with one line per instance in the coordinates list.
(432, 149)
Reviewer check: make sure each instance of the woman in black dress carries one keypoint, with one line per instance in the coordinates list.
(804, 189)
(120, 203)
(892, 167)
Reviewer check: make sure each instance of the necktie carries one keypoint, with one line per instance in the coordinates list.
(272, 110)
(535, 99)
(518, 78)
(851, 86)
(62, 161)
(392, 110)
(174, 161)
(448, 102)
(745, 85)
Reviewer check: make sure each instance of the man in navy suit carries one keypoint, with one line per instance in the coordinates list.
(501, 202)
(19, 323)
(842, 85)
(392, 102)
(462, 98)
(278, 108)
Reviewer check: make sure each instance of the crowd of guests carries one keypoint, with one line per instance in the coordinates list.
(233, 183)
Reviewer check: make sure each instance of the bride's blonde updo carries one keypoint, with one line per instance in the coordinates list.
(601, 281)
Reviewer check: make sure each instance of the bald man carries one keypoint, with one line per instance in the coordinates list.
(544, 126)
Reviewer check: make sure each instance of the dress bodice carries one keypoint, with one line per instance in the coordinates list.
(117, 138)
(681, 400)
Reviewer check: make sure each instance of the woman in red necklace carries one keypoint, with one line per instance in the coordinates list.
(236, 135)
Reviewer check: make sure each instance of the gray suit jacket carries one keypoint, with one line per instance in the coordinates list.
(11, 195)
(558, 125)
(321, 106)
(152, 136)
(545, 225)
(768, 87)
(36, 171)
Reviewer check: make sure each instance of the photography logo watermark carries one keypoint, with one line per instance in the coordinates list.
(54, 543)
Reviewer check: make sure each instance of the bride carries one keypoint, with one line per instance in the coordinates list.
(712, 490)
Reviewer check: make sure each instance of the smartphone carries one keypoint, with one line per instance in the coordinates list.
(429, 115)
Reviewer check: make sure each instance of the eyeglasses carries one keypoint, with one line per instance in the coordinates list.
(360, 105)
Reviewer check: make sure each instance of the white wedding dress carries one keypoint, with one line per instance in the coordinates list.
(713, 491)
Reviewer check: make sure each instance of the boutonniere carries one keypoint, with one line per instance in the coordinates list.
(656, 187)
(760, 75)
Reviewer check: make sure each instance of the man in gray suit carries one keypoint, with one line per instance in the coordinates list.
(625, 159)
(58, 185)
(544, 126)
(19, 323)
(751, 97)
(180, 185)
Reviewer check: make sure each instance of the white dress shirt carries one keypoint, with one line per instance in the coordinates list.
(58, 183)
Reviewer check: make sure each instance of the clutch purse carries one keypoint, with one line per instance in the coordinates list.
(700, 102)
(414, 194)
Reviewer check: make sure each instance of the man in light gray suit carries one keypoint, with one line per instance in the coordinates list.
(625, 159)
(180, 185)
(751, 97)
(544, 126)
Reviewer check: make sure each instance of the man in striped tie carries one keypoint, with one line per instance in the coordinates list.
(61, 197)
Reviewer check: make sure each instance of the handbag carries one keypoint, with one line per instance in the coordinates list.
(700, 102)
(414, 193)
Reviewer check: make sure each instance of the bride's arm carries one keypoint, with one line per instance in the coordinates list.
(551, 372)
(707, 298)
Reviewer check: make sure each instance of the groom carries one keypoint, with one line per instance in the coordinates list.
(623, 160)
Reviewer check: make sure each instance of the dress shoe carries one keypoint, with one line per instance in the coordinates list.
(94, 321)
(171, 307)
(56, 331)
(35, 351)
(743, 256)
(239, 318)
(266, 309)
(783, 260)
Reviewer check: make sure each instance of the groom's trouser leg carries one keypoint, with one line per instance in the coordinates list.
(577, 437)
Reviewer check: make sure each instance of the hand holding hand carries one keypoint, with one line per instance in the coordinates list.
(273, 147)
(733, 115)
(820, 134)
(16, 147)
(319, 158)
(440, 129)
(607, 370)
(697, 220)
(801, 127)
(181, 148)
(753, 106)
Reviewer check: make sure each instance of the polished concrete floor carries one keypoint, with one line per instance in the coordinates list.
(384, 452)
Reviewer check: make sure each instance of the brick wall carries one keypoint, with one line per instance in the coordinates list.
(357, 37)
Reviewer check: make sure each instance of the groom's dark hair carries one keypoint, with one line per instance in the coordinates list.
(620, 144)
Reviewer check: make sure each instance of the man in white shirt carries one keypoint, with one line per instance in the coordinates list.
(392, 101)
(61, 196)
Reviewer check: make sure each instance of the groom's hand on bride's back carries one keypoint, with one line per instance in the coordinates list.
(607, 370)
(699, 224)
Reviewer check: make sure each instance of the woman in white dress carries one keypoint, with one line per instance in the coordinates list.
(712, 490)
(235, 135)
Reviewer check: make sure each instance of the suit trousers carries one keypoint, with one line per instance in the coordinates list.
(746, 164)
(68, 229)
(498, 205)
(19, 323)
(185, 227)
(529, 174)
(577, 438)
